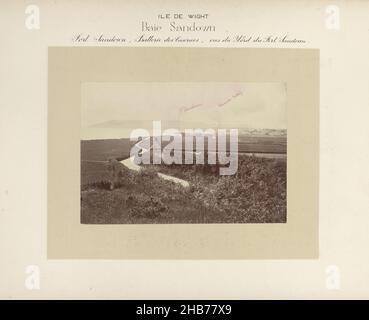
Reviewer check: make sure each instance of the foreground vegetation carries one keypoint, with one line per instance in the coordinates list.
(111, 193)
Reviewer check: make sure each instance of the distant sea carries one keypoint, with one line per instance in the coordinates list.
(95, 133)
(105, 133)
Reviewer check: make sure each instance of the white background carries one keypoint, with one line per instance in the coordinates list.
(344, 154)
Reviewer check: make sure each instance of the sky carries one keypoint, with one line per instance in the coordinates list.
(213, 104)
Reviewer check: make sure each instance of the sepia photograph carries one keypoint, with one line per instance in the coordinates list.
(178, 153)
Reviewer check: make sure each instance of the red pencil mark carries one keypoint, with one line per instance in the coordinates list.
(224, 103)
(231, 98)
(235, 95)
(185, 109)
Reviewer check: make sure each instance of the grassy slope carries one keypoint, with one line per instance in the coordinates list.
(141, 198)
(255, 194)
(94, 154)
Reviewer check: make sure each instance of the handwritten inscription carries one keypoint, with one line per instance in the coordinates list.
(185, 28)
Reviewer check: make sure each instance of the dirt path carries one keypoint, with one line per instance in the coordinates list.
(130, 164)
(182, 182)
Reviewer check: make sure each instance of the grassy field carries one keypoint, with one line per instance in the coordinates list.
(262, 144)
(95, 154)
(142, 198)
(256, 194)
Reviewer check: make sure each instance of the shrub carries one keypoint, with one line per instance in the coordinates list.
(119, 174)
(144, 206)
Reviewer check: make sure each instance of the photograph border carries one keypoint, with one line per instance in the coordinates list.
(296, 239)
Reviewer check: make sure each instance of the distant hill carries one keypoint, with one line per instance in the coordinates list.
(264, 132)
